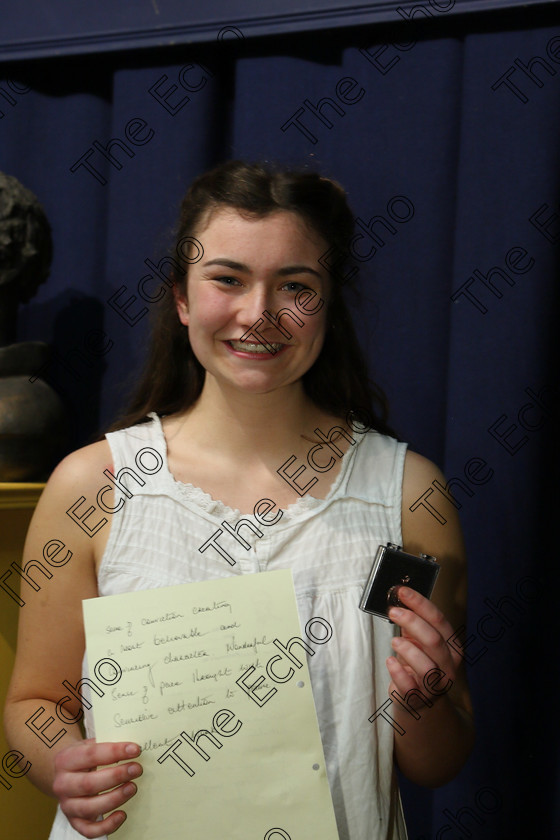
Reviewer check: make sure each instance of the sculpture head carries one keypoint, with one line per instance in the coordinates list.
(25, 241)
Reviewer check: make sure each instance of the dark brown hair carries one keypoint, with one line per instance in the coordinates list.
(338, 380)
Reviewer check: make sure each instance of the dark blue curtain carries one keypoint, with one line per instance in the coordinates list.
(446, 135)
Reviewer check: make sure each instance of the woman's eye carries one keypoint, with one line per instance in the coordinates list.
(227, 280)
(292, 284)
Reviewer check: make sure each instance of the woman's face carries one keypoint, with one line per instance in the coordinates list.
(251, 266)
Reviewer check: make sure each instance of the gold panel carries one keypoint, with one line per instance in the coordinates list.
(27, 814)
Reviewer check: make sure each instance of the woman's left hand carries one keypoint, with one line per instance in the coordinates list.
(424, 661)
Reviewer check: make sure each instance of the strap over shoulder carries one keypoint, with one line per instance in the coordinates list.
(377, 473)
(140, 458)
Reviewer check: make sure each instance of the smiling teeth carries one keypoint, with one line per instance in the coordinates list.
(249, 347)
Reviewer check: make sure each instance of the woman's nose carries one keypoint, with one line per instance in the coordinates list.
(252, 305)
(266, 318)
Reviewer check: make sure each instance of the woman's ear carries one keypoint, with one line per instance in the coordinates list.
(181, 304)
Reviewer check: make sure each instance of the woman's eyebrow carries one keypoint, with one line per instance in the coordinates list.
(298, 269)
(236, 266)
(282, 272)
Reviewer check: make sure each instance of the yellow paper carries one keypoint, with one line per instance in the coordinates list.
(182, 650)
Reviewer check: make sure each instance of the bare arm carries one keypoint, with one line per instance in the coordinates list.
(440, 736)
(50, 650)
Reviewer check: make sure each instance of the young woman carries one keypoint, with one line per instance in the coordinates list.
(234, 386)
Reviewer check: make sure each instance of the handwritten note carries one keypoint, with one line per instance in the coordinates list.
(215, 689)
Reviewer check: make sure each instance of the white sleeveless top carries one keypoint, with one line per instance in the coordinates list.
(329, 544)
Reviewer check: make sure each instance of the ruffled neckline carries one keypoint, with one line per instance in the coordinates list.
(192, 494)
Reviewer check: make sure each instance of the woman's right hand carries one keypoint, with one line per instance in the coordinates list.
(82, 784)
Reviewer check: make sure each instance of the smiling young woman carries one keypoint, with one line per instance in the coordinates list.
(252, 355)
(270, 260)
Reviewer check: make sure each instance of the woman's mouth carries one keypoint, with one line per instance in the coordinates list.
(258, 349)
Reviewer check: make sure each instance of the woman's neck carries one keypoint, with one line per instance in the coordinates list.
(248, 426)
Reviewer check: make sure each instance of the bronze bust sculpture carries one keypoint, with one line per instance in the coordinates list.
(32, 418)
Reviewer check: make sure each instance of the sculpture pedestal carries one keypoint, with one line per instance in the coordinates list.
(33, 425)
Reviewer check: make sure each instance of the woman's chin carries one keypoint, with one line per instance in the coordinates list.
(252, 383)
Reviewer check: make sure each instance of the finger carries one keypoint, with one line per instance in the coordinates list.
(429, 676)
(403, 663)
(413, 696)
(101, 828)
(425, 654)
(401, 679)
(425, 627)
(90, 808)
(426, 609)
(78, 783)
(88, 754)
(418, 633)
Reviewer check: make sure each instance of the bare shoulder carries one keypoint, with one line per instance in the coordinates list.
(83, 467)
(417, 471)
(78, 476)
(427, 504)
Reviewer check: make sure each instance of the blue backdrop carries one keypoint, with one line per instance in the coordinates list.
(446, 135)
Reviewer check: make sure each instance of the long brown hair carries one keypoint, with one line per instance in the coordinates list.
(338, 380)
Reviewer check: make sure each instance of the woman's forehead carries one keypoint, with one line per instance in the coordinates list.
(226, 222)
